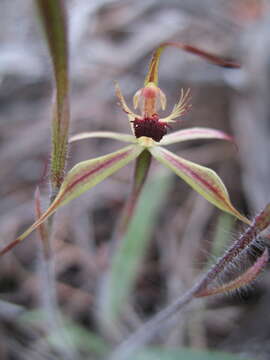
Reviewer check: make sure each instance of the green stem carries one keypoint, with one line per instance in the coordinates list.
(54, 21)
(142, 166)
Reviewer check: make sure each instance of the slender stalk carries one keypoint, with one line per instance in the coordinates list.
(142, 166)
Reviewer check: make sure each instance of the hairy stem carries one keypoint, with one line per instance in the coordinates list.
(53, 18)
(165, 317)
(260, 223)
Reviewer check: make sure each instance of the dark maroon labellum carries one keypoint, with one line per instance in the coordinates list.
(150, 127)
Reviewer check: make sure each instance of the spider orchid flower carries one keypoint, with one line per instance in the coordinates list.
(149, 134)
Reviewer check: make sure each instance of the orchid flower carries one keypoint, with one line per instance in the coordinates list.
(149, 136)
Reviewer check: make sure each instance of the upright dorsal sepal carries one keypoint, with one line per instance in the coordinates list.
(152, 75)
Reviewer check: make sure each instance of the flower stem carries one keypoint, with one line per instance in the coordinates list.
(142, 166)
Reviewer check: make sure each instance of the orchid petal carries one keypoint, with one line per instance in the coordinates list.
(195, 133)
(81, 178)
(123, 104)
(103, 134)
(181, 108)
(203, 180)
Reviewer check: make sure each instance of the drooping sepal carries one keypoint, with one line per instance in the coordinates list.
(202, 179)
(81, 178)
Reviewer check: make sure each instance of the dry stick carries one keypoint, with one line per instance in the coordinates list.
(153, 326)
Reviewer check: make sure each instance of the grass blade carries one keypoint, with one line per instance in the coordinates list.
(132, 248)
(183, 354)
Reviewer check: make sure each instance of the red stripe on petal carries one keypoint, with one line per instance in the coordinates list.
(94, 170)
(195, 176)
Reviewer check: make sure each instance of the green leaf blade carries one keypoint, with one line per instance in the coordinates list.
(183, 354)
(126, 261)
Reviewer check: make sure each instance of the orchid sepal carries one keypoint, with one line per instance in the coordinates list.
(202, 179)
(152, 75)
(81, 178)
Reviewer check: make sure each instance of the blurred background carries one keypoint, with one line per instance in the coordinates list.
(113, 40)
